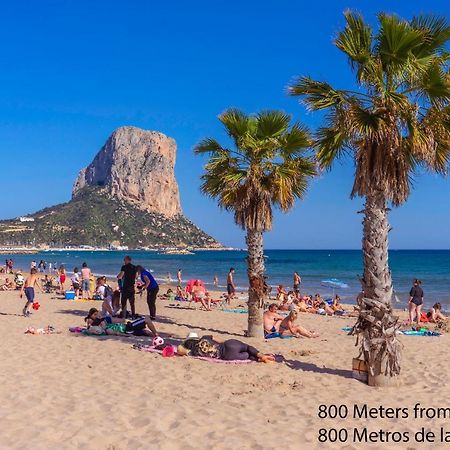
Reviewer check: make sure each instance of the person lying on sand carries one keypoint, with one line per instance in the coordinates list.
(97, 324)
(435, 314)
(271, 319)
(229, 350)
(288, 327)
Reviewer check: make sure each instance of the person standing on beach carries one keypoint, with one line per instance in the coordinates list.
(28, 287)
(152, 288)
(297, 282)
(231, 288)
(127, 274)
(216, 280)
(415, 301)
(62, 278)
(179, 277)
(85, 276)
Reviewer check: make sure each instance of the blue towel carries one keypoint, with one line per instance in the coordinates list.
(421, 333)
(238, 311)
(276, 335)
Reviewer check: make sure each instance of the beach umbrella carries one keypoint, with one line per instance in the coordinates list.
(334, 283)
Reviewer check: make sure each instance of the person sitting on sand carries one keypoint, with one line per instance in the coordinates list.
(199, 293)
(229, 350)
(104, 292)
(337, 307)
(281, 293)
(435, 314)
(271, 319)
(287, 301)
(288, 327)
(97, 324)
(321, 307)
(8, 285)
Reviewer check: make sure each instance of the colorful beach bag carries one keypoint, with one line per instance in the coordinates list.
(359, 370)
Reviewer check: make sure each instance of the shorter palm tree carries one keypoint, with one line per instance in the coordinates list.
(269, 165)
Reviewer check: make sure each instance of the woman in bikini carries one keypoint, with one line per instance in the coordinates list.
(288, 327)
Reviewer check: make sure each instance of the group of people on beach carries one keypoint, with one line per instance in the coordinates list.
(280, 317)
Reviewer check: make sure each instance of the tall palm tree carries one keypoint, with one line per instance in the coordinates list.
(267, 166)
(396, 120)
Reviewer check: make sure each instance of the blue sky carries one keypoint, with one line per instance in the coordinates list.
(73, 71)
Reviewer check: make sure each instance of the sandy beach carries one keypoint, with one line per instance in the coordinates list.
(70, 391)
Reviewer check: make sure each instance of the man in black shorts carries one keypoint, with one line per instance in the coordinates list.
(128, 276)
(231, 289)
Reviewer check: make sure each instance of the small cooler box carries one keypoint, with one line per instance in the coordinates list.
(70, 295)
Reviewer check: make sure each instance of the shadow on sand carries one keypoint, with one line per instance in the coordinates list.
(309, 367)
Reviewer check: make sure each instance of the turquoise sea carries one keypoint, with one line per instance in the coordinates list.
(431, 266)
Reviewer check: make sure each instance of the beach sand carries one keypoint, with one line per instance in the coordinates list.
(69, 391)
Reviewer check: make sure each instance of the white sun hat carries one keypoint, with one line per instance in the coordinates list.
(192, 335)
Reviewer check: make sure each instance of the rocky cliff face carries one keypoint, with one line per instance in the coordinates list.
(136, 166)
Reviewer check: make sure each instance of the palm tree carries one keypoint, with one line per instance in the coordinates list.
(396, 120)
(268, 166)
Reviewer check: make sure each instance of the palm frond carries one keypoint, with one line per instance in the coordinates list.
(396, 42)
(209, 145)
(295, 141)
(436, 32)
(271, 124)
(331, 144)
(236, 123)
(355, 40)
(316, 94)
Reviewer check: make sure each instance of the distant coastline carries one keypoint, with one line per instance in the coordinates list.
(25, 250)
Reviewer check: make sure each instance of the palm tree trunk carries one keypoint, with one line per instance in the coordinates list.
(376, 325)
(255, 271)
(377, 280)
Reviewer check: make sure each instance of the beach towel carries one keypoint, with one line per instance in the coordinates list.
(347, 329)
(276, 335)
(149, 348)
(236, 310)
(420, 333)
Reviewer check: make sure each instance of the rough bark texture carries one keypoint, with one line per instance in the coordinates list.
(376, 326)
(255, 261)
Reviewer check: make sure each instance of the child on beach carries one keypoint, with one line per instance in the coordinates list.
(28, 287)
(435, 314)
(288, 327)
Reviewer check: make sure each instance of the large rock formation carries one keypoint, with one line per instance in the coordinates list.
(136, 166)
(127, 196)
